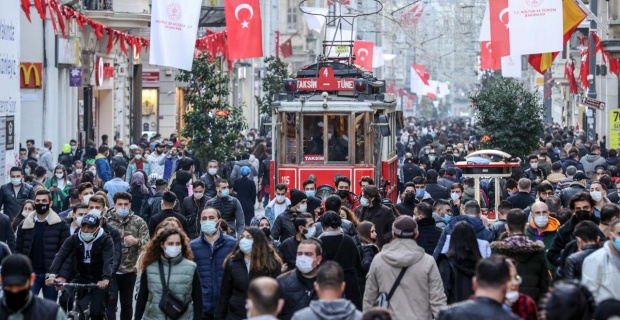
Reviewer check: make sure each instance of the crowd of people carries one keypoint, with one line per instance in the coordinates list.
(160, 239)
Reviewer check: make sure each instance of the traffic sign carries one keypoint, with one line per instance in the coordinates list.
(593, 103)
(614, 129)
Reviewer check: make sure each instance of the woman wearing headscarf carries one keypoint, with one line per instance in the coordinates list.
(139, 191)
(179, 186)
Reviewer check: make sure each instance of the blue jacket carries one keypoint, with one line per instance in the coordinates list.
(103, 168)
(482, 232)
(210, 262)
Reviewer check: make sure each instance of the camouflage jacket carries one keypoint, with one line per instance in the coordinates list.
(134, 226)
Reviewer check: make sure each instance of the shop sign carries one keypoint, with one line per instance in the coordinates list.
(30, 75)
(150, 78)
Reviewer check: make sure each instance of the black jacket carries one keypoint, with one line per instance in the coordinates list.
(476, 309)
(410, 171)
(209, 181)
(437, 191)
(521, 200)
(342, 249)
(151, 207)
(283, 227)
(564, 235)
(12, 204)
(246, 194)
(56, 232)
(288, 251)
(191, 212)
(429, 234)
(117, 241)
(6, 231)
(71, 257)
(382, 217)
(456, 277)
(233, 293)
(296, 292)
(367, 254)
(405, 209)
(35, 308)
(573, 265)
(158, 218)
(572, 190)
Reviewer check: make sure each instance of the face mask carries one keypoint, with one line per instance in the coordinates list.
(409, 198)
(245, 245)
(41, 208)
(87, 198)
(510, 193)
(304, 264)
(94, 172)
(310, 232)
(454, 196)
(95, 212)
(617, 243)
(431, 158)
(60, 175)
(16, 300)
(225, 193)
(329, 135)
(27, 171)
(212, 171)
(534, 165)
(446, 219)
(596, 195)
(87, 236)
(541, 222)
(78, 221)
(419, 193)
(427, 151)
(512, 296)
(267, 232)
(280, 199)
(172, 251)
(123, 213)
(302, 207)
(138, 156)
(26, 213)
(364, 202)
(16, 181)
(73, 148)
(209, 227)
(582, 215)
(343, 193)
(310, 193)
(78, 171)
(198, 195)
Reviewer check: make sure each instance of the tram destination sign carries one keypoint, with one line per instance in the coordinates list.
(325, 82)
(593, 103)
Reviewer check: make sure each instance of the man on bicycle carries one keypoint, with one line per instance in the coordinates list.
(85, 257)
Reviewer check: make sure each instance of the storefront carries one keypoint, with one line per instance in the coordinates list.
(150, 101)
(103, 104)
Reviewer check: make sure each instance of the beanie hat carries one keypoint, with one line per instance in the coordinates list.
(313, 203)
(297, 196)
(405, 226)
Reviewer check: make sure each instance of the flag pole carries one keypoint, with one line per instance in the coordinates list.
(592, 16)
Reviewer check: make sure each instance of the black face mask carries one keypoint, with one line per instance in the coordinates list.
(17, 300)
(343, 193)
(409, 198)
(41, 208)
(583, 215)
(267, 232)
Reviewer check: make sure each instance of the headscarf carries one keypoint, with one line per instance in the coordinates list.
(137, 180)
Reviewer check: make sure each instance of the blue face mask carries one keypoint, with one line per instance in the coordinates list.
(309, 193)
(419, 193)
(511, 193)
(446, 219)
(123, 213)
(245, 245)
(617, 243)
(225, 193)
(208, 227)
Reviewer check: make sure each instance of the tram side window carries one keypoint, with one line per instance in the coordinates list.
(290, 138)
(360, 144)
(338, 147)
(314, 139)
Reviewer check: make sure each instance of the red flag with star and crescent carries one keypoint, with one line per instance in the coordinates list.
(500, 33)
(363, 51)
(244, 28)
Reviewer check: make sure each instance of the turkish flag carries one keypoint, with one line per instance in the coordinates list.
(244, 28)
(500, 34)
(287, 48)
(487, 60)
(363, 51)
(421, 72)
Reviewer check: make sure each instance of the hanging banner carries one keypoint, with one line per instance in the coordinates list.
(511, 67)
(174, 25)
(614, 129)
(536, 26)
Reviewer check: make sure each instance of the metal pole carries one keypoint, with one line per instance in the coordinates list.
(592, 50)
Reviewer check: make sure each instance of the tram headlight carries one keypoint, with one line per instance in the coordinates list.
(361, 88)
(290, 86)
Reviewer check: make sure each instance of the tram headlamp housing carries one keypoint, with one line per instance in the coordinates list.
(361, 88)
(290, 87)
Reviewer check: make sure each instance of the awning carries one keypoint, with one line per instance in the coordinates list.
(212, 17)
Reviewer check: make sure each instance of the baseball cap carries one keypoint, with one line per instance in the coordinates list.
(16, 270)
(91, 220)
(579, 176)
(404, 226)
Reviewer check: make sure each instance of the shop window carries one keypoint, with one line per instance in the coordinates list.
(150, 109)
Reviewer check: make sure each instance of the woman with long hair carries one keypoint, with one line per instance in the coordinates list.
(27, 208)
(139, 191)
(60, 186)
(260, 152)
(457, 266)
(347, 214)
(168, 259)
(372, 210)
(367, 235)
(252, 257)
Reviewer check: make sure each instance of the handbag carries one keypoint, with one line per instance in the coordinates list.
(170, 304)
(383, 300)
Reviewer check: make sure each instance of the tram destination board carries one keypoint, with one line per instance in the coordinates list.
(325, 82)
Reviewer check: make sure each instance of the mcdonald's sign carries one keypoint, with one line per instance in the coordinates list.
(30, 75)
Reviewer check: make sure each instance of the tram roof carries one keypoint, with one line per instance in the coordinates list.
(334, 104)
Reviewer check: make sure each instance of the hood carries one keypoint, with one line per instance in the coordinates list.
(552, 226)
(519, 247)
(556, 177)
(99, 234)
(474, 222)
(337, 309)
(612, 161)
(257, 219)
(43, 151)
(183, 177)
(242, 163)
(469, 193)
(592, 157)
(402, 253)
(66, 148)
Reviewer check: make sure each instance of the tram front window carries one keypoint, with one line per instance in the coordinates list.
(315, 134)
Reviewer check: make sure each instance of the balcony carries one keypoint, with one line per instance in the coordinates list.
(119, 14)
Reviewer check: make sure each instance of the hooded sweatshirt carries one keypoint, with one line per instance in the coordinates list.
(89, 245)
(590, 162)
(340, 309)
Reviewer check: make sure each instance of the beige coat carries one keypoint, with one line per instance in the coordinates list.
(420, 294)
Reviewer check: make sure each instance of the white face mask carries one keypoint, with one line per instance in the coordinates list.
(303, 207)
(512, 296)
(541, 222)
(78, 171)
(60, 175)
(212, 171)
(454, 195)
(304, 264)
(95, 212)
(280, 199)
(310, 233)
(198, 195)
(596, 195)
(138, 156)
(87, 198)
(534, 165)
(78, 221)
(172, 251)
(26, 213)
(94, 172)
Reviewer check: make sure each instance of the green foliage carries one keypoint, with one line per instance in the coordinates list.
(275, 72)
(488, 78)
(510, 115)
(211, 136)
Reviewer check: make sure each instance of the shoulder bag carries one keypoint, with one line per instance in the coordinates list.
(170, 304)
(383, 300)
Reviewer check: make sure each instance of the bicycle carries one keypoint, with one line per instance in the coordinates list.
(75, 313)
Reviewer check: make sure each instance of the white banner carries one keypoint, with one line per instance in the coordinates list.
(511, 67)
(536, 26)
(417, 86)
(315, 21)
(174, 24)
(378, 59)
(485, 28)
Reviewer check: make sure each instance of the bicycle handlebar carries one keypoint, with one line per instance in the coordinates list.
(77, 285)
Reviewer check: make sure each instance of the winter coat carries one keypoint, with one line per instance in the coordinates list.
(567, 193)
(574, 263)
(297, 293)
(590, 162)
(283, 227)
(429, 234)
(521, 200)
(104, 171)
(210, 263)
(341, 309)
(499, 227)
(56, 232)
(571, 162)
(554, 178)
(420, 294)
(183, 283)
(288, 251)
(59, 197)
(209, 181)
(382, 217)
(170, 165)
(246, 194)
(456, 277)
(411, 170)
(46, 160)
(234, 289)
(132, 168)
(530, 262)
(546, 235)
(484, 235)
(341, 248)
(35, 308)
(540, 173)
(231, 211)
(134, 226)
(7, 235)
(446, 181)
(269, 214)
(11, 203)
(191, 211)
(601, 275)
(367, 254)
(158, 218)
(564, 235)
(69, 262)
(476, 309)
(437, 191)
(179, 185)
(235, 174)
